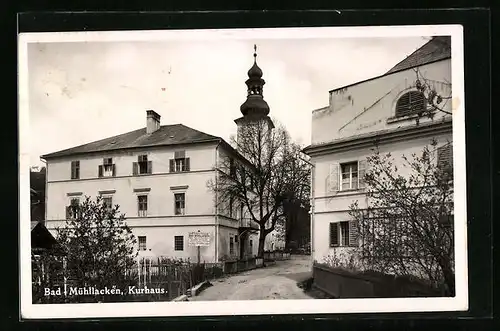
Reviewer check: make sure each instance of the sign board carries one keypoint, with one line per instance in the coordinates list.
(199, 239)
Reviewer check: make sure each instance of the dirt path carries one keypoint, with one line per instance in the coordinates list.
(274, 282)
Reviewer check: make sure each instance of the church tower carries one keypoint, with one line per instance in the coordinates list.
(255, 109)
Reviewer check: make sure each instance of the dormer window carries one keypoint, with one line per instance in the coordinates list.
(410, 103)
(107, 169)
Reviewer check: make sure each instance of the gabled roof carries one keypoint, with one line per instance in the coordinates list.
(166, 135)
(438, 48)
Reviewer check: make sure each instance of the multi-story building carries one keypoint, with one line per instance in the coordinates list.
(381, 109)
(160, 177)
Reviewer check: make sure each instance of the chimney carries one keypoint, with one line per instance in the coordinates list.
(152, 121)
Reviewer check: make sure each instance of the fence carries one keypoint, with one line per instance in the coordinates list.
(276, 256)
(175, 276)
(340, 283)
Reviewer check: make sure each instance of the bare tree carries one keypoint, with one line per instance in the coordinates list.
(268, 173)
(406, 227)
(435, 99)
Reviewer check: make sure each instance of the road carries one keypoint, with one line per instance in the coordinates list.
(278, 281)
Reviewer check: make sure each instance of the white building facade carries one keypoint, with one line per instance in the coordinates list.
(159, 178)
(378, 111)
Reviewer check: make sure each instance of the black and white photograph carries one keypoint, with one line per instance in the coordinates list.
(242, 171)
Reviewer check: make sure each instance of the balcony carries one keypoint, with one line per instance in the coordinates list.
(248, 224)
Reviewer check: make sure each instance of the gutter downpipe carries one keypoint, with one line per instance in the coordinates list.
(216, 243)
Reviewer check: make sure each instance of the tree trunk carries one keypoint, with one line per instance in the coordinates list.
(262, 238)
(449, 276)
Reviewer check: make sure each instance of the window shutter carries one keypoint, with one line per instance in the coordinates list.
(353, 233)
(73, 172)
(187, 164)
(334, 234)
(135, 169)
(150, 167)
(114, 170)
(68, 212)
(100, 170)
(172, 165)
(445, 157)
(334, 178)
(361, 173)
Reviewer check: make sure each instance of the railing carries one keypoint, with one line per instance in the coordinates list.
(248, 223)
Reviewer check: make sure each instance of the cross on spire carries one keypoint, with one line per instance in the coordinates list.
(255, 52)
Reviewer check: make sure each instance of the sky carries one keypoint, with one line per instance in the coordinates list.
(80, 92)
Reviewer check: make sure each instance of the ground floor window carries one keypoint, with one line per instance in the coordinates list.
(142, 243)
(179, 243)
(231, 246)
(343, 234)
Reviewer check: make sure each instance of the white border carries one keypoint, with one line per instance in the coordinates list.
(254, 307)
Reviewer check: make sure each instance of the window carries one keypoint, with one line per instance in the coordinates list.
(73, 209)
(410, 103)
(107, 169)
(180, 162)
(180, 203)
(179, 243)
(142, 166)
(349, 176)
(231, 246)
(343, 234)
(142, 201)
(75, 169)
(108, 203)
(142, 243)
(445, 158)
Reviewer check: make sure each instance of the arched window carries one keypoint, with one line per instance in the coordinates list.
(410, 103)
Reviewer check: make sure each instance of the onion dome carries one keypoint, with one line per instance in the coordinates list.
(255, 105)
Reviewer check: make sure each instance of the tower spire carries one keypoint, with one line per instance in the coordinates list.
(255, 103)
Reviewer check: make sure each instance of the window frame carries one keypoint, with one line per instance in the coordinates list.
(142, 212)
(75, 169)
(343, 238)
(144, 243)
(177, 240)
(183, 201)
(350, 164)
(110, 206)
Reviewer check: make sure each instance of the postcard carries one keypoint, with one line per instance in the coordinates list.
(242, 172)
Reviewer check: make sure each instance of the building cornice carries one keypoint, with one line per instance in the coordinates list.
(381, 137)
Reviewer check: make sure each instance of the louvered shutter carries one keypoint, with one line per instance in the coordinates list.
(68, 212)
(362, 164)
(172, 165)
(100, 170)
(445, 157)
(334, 234)
(114, 170)
(135, 169)
(333, 178)
(188, 166)
(353, 233)
(150, 167)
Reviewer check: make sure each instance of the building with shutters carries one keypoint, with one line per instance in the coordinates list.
(379, 110)
(158, 175)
